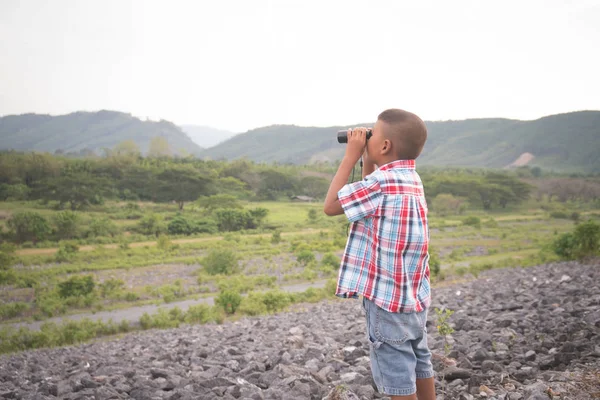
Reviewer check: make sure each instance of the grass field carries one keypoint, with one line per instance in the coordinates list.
(294, 244)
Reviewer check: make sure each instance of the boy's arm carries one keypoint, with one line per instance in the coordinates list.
(357, 139)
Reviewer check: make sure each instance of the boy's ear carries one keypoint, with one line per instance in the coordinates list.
(387, 146)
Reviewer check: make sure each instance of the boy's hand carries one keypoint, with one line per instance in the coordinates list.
(357, 141)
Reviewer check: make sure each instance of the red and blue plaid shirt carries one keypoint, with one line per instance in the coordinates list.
(386, 258)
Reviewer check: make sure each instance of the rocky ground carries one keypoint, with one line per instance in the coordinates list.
(529, 333)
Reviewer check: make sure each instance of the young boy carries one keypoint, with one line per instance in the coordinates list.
(386, 258)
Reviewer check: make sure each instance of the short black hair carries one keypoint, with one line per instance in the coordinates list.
(407, 132)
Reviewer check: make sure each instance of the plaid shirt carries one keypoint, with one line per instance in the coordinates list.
(386, 258)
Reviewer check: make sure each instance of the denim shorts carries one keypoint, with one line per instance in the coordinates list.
(399, 352)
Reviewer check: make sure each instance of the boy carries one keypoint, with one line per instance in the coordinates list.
(386, 258)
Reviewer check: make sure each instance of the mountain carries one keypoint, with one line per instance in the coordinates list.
(562, 142)
(84, 131)
(206, 136)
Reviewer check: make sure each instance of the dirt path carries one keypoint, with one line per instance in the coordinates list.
(50, 251)
(133, 314)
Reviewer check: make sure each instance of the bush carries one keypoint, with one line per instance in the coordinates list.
(198, 314)
(229, 301)
(230, 220)
(111, 287)
(14, 192)
(99, 227)
(331, 260)
(305, 256)
(66, 252)
(276, 237)
(66, 223)
(76, 286)
(472, 221)
(7, 257)
(11, 310)
(179, 226)
(28, 226)
(220, 261)
(434, 262)
(583, 242)
(162, 319)
(559, 215)
(150, 225)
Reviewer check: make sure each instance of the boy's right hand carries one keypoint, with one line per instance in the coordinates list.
(357, 141)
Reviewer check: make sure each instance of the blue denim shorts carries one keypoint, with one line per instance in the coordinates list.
(399, 352)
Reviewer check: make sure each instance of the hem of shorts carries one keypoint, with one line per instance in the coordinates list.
(425, 375)
(396, 391)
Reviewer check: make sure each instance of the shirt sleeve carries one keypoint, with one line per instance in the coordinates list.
(360, 199)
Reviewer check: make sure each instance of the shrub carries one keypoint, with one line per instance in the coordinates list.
(305, 256)
(11, 310)
(312, 215)
(229, 220)
(253, 305)
(275, 300)
(198, 314)
(229, 301)
(179, 226)
(7, 257)
(331, 260)
(66, 251)
(220, 261)
(583, 242)
(276, 237)
(162, 319)
(66, 223)
(559, 214)
(28, 226)
(99, 227)
(150, 225)
(434, 262)
(164, 243)
(472, 221)
(76, 286)
(14, 192)
(111, 287)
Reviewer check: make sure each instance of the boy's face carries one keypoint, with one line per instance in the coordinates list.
(376, 142)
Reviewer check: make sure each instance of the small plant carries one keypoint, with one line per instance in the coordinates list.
(66, 252)
(305, 256)
(434, 262)
(472, 221)
(331, 260)
(76, 286)
(276, 237)
(443, 328)
(583, 242)
(229, 301)
(220, 261)
(312, 215)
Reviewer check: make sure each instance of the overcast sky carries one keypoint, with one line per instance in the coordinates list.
(240, 64)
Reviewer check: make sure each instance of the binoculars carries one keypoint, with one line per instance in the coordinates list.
(342, 136)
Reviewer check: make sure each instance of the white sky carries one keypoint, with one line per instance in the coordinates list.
(241, 64)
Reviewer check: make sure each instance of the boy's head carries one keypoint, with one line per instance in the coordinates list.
(397, 135)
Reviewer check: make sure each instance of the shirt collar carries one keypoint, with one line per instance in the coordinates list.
(400, 164)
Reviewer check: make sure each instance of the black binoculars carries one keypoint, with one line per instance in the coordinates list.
(342, 136)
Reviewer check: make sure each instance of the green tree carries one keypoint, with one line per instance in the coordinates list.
(78, 189)
(28, 226)
(182, 184)
(219, 201)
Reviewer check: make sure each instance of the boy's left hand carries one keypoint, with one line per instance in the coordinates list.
(357, 141)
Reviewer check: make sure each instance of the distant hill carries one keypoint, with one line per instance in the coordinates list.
(206, 136)
(88, 131)
(563, 142)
